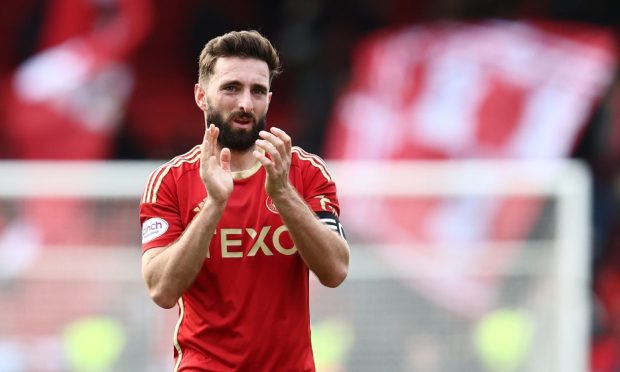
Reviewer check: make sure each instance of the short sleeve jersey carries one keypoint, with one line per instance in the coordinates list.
(248, 308)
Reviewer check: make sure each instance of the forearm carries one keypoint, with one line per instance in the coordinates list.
(172, 270)
(323, 250)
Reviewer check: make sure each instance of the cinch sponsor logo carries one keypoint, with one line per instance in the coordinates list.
(232, 242)
(153, 228)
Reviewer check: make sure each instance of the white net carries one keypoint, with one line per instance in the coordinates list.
(456, 266)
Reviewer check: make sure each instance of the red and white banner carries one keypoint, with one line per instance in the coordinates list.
(494, 90)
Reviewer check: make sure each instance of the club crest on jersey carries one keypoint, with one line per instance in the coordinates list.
(153, 228)
(271, 206)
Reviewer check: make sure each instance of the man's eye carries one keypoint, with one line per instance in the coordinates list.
(230, 88)
(259, 91)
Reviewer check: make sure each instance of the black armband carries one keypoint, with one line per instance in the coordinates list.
(332, 221)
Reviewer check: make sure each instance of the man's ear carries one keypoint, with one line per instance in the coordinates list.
(200, 96)
(268, 100)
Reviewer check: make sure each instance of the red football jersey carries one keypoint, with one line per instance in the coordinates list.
(248, 308)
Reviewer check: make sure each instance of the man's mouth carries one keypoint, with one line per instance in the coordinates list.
(243, 120)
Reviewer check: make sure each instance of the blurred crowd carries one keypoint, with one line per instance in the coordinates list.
(112, 79)
(136, 60)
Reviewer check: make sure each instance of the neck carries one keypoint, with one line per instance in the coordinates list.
(242, 160)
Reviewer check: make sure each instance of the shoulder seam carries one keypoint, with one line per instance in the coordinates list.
(314, 160)
(157, 176)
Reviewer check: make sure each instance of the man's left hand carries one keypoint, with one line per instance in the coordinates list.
(277, 145)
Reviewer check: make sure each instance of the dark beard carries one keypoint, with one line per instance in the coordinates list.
(235, 139)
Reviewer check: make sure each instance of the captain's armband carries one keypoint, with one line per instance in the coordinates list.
(332, 221)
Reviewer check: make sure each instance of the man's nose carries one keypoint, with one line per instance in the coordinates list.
(245, 101)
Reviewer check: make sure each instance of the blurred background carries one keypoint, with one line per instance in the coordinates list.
(389, 81)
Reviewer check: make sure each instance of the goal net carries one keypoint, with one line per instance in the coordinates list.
(455, 266)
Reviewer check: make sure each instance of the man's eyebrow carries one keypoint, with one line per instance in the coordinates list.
(238, 83)
(230, 82)
(262, 86)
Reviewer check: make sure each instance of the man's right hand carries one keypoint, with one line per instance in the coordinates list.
(169, 271)
(215, 174)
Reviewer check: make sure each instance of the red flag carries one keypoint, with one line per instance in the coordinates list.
(494, 89)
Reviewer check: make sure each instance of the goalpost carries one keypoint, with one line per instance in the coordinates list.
(70, 283)
(556, 260)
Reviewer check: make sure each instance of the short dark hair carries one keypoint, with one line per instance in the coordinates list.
(243, 44)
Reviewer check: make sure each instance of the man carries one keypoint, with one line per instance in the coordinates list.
(230, 229)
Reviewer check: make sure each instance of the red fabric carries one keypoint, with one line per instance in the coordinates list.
(482, 90)
(113, 31)
(100, 38)
(248, 307)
